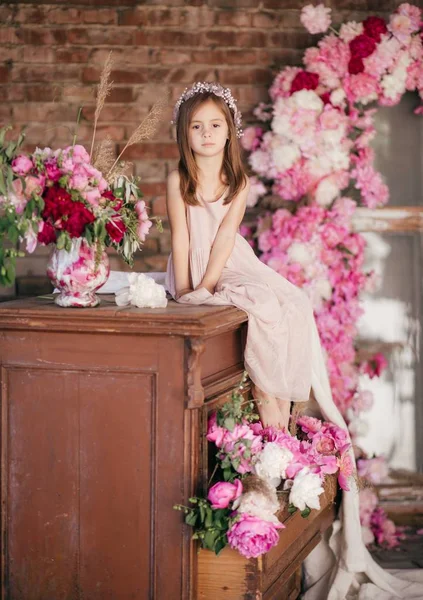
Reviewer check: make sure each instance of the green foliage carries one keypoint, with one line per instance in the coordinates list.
(211, 526)
(237, 410)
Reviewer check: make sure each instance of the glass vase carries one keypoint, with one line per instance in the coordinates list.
(77, 273)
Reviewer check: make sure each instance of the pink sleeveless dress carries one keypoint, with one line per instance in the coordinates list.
(278, 349)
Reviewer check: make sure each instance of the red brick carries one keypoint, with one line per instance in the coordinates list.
(38, 54)
(151, 150)
(172, 57)
(72, 55)
(121, 94)
(43, 93)
(221, 37)
(11, 54)
(154, 189)
(159, 205)
(234, 4)
(7, 15)
(280, 4)
(253, 39)
(117, 113)
(9, 93)
(115, 132)
(75, 93)
(290, 39)
(122, 57)
(251, 75)
(191, 18)
(165, 37)
(34, 15)
(4, 74)
(46, 73)
(266, 20)
(108, 36)
(279, 57)
(147, 95)
(234, 19)
(150, 170)
(225, 57)
(9, 35)
(133, 17)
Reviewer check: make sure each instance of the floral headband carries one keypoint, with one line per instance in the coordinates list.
(200, 87)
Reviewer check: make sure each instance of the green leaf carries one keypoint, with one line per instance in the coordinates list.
(292, 509)
(229, 423)
(191, 518)
(220, 544)
(61, 240)
(210, 539)
(305, 512)
(209, 517)
(3, 190)
(202, 513)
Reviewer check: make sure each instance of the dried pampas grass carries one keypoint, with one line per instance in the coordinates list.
(104, 89)
(147, 127)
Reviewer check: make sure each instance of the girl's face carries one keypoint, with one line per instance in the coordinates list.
(208, 130)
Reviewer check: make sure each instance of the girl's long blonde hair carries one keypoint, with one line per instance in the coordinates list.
(232, 171)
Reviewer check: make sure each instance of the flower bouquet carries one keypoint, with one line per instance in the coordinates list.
(79, 202)
(258, 469)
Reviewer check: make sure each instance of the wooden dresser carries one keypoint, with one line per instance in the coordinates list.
(102, 419)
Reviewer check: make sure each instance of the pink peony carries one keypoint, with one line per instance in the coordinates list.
(223, 493)
(346, 467)
(253, 537)
(316, 19)
(22, 164)
(215, 433)
(374, 470)
(309, 425)
(251, 139)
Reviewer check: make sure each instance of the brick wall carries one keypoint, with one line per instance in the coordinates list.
(52, 54)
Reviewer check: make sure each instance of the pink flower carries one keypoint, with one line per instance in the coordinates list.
(215, 433)
(374, 470)
(324, 443)
(253, 537)
(346, 467)
(22, 164)
(309, 425)
(401, 26)
(251, 139)
(34, 184)
(52, 170)
(375, 366)
(368, 503)
(223, 493)
(17, 197)
(316, 19)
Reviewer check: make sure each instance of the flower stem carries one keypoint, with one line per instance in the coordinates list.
(78, 118)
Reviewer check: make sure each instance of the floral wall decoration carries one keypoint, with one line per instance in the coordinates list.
(312, 153)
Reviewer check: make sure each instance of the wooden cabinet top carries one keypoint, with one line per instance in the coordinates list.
(176, 319)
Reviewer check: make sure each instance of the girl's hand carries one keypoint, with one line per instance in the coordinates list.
(183, 292)
(210, 288)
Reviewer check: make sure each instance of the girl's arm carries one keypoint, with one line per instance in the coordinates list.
(225, 239)
(179, 235)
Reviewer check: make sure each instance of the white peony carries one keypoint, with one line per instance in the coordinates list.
(308, 100)
(285, 156)
(300, 253)
(259, 161)
(142, 292)
(259, 505)
(350, 30)
(337, 97)
(323, 288)
(257, 189)
(272, 462)
(306, 490)
(326, 191)
(281, 125)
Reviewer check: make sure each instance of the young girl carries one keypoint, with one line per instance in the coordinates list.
(211, 263)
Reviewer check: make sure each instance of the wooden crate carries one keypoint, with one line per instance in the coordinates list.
(274, 576)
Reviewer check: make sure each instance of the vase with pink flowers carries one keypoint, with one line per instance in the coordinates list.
(78, 202)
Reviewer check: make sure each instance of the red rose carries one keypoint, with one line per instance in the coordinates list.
(116, 202)
(375, 27)
(362, 46)
(57, 202)
(46, 234)
(355, 65)
(116, 229)
(325, 98)
(77, 219)
(304, 80)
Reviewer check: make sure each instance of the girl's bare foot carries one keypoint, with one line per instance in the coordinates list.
(272, 412)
